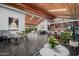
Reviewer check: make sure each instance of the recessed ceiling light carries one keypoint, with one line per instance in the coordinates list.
(64, 16)
(54, 10)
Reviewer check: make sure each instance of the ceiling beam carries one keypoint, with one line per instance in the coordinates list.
(36, 9)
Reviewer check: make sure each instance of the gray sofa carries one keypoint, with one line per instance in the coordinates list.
(6, 35)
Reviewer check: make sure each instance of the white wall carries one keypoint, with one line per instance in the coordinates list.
(5, 13)
(43, 25)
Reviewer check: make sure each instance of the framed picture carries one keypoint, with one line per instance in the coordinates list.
(13, 24)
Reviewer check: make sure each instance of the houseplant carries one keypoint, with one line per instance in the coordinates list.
(65, 36)
(24, 33)
(52, 41)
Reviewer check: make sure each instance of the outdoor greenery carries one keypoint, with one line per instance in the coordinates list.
(34, 28)
(65, 36)
(52, 41)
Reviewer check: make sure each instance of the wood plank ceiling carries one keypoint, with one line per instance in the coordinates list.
(42, 9)
(72, 9)
(31, 20)
(32, 8)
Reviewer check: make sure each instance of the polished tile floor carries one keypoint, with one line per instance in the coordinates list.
(23, 47)
(28, 47)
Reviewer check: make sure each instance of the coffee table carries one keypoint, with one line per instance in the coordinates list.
(59, 50)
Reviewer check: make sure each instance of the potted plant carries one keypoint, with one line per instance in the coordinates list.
(52, 41)
(65, 36)
(25, 32)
